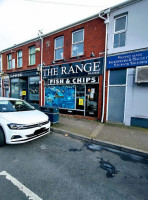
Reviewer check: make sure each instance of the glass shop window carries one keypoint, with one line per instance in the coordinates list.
(80, 97)
(34, 90)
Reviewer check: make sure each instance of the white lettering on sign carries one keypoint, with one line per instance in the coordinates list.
(83, 68)
(16, 75)
(72, 81)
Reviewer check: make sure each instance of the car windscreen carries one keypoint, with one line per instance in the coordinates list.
(14, 106)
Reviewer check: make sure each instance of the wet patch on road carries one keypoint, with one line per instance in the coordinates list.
(110, 168)
(123, 155)
(74, 150)
(94, 147)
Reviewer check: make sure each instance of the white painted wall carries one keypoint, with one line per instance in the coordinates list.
(136, 104)
(137, 27)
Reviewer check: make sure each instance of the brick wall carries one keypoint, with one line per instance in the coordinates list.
(25, 57)
(94, 41)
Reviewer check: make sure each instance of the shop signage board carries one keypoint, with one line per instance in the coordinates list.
(81, 80)
(128, 60)
(23, 73)
(85, 68)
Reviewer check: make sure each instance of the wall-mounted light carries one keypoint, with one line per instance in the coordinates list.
(53, 62)
(101, 53)
(39, 67)
(92, 54)
(37, 49)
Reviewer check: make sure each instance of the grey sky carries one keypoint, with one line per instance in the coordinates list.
(20, 20)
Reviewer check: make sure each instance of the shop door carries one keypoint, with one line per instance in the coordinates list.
(91, 100)
(23, 89)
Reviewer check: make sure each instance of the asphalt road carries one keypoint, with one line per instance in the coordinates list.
(56, 167)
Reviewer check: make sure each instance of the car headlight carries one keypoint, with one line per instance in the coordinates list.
(17, 126)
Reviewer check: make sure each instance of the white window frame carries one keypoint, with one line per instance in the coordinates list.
(61, 47)
(121, 31)
(9, 61)
(77, 42)
(19, 58)
(31, 54)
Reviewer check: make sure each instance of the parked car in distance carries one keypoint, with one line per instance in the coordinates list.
(20, 122)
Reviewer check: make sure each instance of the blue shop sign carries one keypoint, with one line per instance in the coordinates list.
(128, 60)
(76, 69)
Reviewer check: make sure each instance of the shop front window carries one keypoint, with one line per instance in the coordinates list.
(19, 88)
(80, 97)
(15, 88)
(60, 96)
(34, 90)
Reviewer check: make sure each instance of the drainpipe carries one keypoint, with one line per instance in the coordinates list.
(106, 21)
(41, 73)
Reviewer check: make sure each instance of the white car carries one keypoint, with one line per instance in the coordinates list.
(20, 122)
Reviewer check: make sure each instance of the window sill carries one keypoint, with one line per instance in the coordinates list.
(76, 57)
(31, 65)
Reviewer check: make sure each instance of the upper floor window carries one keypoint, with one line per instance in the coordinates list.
(32, 55)
(120, 31)
(59, 43)
(19, 58)
(78, 43)
(9, 61)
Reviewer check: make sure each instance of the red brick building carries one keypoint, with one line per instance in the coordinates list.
(72, 68)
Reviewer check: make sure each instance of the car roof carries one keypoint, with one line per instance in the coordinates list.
(8, 98)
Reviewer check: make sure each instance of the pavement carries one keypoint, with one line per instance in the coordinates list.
(128, 139)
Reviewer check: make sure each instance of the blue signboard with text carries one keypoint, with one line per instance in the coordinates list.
(128, 60)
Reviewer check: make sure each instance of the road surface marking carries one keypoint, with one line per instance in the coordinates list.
(21, 187)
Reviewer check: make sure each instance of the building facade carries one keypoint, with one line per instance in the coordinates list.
(127, 64)
(21, 78)
(67, 62)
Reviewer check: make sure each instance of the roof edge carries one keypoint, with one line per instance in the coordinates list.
(120, 5)
(51, 33)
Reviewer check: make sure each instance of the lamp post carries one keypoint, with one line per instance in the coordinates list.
(41, 74)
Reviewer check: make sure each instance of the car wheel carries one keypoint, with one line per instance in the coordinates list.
(2, 137)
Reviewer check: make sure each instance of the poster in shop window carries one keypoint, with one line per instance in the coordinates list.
(80, 102)
(60, 96)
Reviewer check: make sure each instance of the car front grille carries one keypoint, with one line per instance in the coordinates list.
(36, 125)
(38, 132)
